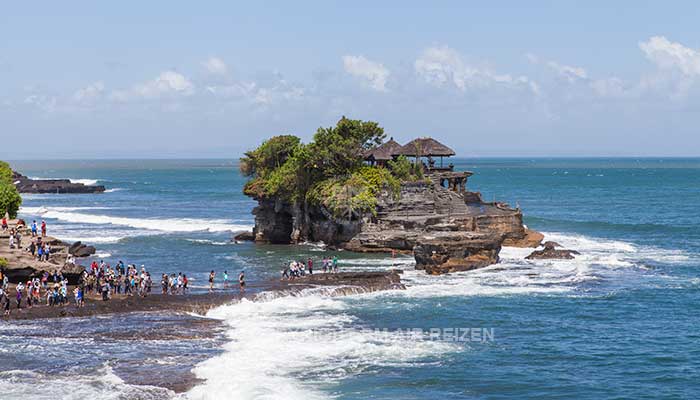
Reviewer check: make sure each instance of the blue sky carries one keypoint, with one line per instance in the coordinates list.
(185, 79)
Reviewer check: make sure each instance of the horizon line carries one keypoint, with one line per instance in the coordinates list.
(236, 158)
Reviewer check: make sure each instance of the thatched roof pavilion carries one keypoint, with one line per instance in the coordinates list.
(425, 147)
(383, 152)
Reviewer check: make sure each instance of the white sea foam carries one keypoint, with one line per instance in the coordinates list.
(112, 190)
(160, 224)
(86, 182)
(293, 347)
(92, 239)
(103, 384)
(600, 260)
(210, 242)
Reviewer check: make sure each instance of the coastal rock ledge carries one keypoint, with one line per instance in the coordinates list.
(37, 186)
(456, 251)
(352, 190)
(447, 231)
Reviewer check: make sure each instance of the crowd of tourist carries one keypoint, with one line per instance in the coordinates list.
(102, 281)
(38, 247)
(296, 269)
(51, 288)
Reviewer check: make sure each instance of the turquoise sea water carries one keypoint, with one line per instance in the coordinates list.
(619, 321)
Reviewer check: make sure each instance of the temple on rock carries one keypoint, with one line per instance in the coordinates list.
(423, 150)
(429, 213)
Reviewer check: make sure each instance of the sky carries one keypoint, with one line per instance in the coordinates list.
(165, 79)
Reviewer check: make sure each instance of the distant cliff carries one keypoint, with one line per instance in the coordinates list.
(28, 185)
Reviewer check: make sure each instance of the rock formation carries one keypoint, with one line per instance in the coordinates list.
(550, 252)
(21, 265)
(27, 185)
(78, 249)
(446, 229)
(445, 252)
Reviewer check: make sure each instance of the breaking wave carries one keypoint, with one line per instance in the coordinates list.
(103, 384)
(160, 224)
(290, 347)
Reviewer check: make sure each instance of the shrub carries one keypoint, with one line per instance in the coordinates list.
(5, 173)
(10, 200)
(3, 262)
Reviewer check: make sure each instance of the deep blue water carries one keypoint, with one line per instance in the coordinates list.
(620, 321)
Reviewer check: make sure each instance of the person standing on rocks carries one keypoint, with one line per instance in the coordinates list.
(4, 224)
(212, 275)
(241, 281)
(34, 229)
(5, 299)
(335, 263)
(19, 288)
(310, 266)
(43, 228)
(225, 279)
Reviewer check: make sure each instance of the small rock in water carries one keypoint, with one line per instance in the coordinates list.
(550, 252)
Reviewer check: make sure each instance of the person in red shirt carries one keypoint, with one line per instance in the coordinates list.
(43, 228)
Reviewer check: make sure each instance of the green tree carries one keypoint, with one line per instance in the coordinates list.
(338, 150)
(5, 173)
(10, 200)
(272, 154)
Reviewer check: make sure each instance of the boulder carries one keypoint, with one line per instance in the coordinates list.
(530, 238)
(78, 249)
(446, 252)
(550, 252)
(246, 236)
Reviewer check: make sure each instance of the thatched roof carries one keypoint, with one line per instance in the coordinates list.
(423, 147)
(383, 151)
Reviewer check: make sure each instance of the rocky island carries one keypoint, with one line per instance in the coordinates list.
(59, 186)
(352, 190)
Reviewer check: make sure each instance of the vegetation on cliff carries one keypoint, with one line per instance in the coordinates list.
(329, 171)
(10, 200)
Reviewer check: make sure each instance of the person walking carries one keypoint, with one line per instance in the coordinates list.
(212, 275)
(241, 281)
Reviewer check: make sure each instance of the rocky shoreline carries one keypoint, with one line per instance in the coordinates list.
(332, 284)
(446, 230)
(22, 265)
(58, 186)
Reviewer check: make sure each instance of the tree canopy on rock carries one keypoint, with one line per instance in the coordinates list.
(329, 171)
(10, 200)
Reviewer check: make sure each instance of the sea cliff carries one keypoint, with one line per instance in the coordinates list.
(351, 190)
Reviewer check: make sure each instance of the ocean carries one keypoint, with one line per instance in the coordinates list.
(619, 321)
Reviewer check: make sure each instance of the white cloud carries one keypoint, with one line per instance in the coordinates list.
(90, 92)
(278, 91)
(168, 83)
(374, 73)
(442, 66)
(216, 66)
(669, 55)
(609, 87)
(570, 73)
